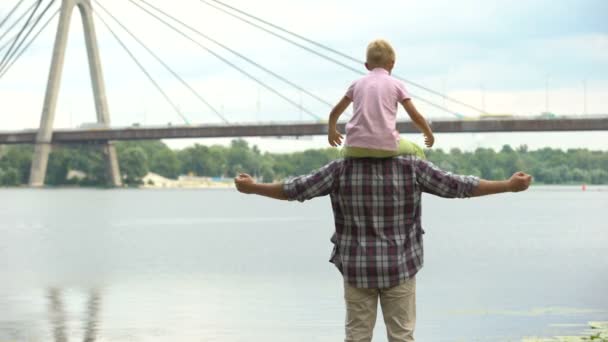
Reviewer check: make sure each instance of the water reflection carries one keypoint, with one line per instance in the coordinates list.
(158, 284)
(58, 316)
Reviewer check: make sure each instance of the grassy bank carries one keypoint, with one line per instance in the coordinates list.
(596, 331)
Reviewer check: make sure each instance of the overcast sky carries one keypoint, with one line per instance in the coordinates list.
(516, 57)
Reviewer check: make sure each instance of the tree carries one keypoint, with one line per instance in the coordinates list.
(19, 158)
(497, 174)
(165, 163)
(136, 158)
(240, 158)
(599, 176)
(134, 165)
(267, 173)
(57, 167)
(580, 176)
(9, 177)
(160, 158)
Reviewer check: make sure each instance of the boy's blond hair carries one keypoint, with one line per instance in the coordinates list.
(379, 53)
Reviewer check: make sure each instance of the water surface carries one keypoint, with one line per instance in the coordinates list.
(215, 265)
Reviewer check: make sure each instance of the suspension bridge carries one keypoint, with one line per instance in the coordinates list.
(24, 23)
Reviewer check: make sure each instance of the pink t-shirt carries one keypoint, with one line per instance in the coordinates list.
(375, 97)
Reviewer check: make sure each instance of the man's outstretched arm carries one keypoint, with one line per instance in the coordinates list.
(518, 182)
(245, 184)
(436, 181)
(318, 183)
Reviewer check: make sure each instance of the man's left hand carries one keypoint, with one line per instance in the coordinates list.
(244, 183)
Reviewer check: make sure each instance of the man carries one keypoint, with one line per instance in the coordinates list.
(378, 238)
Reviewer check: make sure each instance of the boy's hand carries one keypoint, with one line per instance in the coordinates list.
(244, 183)
(334, 137)
(519, 182)
(429, 140)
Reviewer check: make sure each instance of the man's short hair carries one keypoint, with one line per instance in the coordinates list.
(380, 53)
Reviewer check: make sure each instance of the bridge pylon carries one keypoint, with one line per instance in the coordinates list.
(45, 133)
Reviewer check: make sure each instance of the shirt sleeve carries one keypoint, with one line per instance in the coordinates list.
(350, 92)
(402, 93)
(433, 180)
(318, 183)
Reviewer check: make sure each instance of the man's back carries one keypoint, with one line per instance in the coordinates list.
(377, 207)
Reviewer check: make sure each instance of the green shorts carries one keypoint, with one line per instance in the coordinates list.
(405, 148)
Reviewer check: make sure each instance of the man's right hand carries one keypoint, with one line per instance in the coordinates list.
(520, 181)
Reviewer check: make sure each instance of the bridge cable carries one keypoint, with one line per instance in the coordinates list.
(7, 42)
(14, 24)
(141, 67)
(30, 43)
(339, 53)
(268, 87)
(333, 60)
(10, 13)
(9, 52)
(240, 55)
(25, 37)
(163, 63)
(27, 22)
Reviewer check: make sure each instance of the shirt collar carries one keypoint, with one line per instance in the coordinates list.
(379, 71)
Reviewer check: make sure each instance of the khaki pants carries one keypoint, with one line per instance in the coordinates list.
(398, 308)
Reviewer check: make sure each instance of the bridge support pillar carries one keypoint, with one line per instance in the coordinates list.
(45, 133)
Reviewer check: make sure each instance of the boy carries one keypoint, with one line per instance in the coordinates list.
(372, 131)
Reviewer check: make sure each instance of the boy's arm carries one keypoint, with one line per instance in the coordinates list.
(419, 121)
(245, 184)
(333, 136)
(518, 182)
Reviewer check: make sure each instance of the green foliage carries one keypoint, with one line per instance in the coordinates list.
(9, 177)
(547, 165)
(133, 164)
(19, 159)
(136, 158)
(160, 158)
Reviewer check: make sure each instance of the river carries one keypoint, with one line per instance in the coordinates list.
(216, 265)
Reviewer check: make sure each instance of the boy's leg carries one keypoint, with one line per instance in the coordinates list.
(399, 311)
(361, 309)
(361, 152)
(407, 147)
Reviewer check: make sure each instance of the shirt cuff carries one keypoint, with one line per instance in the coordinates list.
(289, 189)
(471, 182)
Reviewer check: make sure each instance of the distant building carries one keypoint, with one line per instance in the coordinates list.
(76, 175)
(154, 180)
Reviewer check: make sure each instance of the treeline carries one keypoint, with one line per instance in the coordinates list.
(136, 159)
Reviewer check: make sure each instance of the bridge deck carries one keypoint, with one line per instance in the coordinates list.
(302, 129)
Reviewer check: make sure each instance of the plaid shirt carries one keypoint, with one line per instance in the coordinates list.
(376, 205)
